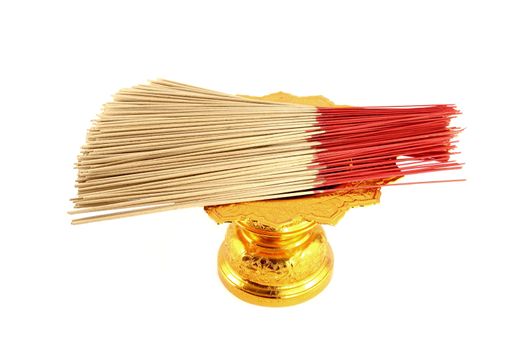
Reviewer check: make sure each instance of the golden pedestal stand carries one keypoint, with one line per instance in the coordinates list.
(275, 252)
(275, 268)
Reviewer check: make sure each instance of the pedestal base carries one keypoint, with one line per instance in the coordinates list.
(263, 266)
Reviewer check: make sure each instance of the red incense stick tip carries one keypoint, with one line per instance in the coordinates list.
(367, 143)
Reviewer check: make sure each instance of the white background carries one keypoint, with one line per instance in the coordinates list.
(431, 267)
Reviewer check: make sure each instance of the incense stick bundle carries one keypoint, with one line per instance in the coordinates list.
(166, 145)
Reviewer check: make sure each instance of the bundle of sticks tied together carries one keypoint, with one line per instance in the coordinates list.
(166, 145)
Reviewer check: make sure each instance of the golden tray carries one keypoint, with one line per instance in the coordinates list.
(275, 252)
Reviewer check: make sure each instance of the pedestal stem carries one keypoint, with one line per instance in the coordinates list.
(270, 267)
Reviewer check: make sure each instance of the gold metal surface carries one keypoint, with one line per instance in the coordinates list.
(275, 252)
(278, 213)
(275, 268)
(317, 101)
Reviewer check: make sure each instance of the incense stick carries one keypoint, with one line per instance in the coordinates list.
(166, 145)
